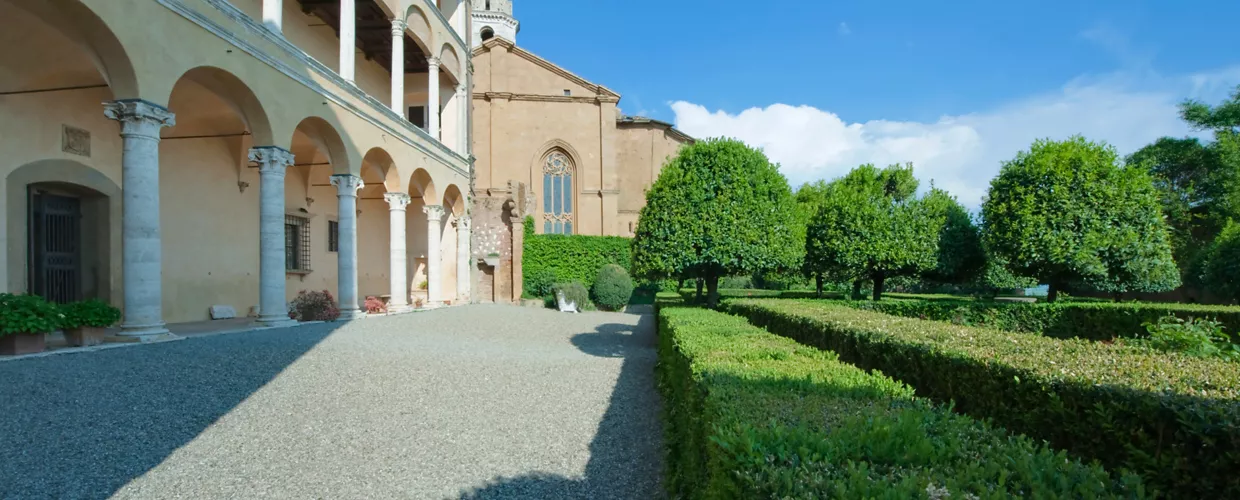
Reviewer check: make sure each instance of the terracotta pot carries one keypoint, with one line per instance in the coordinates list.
(23, 343)
(84, 336)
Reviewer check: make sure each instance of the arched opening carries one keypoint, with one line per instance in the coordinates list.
(67, 48)
(454, 209)
(311, 207)
(209, 192)
(379, 174)
(558, 173)
(68, 214)
(423, 193)
(487, 33)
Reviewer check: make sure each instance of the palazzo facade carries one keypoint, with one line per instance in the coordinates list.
(168, 156)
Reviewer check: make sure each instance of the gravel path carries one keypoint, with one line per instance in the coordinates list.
(465, 402)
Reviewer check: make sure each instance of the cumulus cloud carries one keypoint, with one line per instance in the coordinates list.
(962, 153)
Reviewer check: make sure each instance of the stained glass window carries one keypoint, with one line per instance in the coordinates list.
(558, 194)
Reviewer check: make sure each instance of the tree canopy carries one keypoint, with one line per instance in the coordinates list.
(1068, 214)
(870, 226)
(1221, 263)
(719, 208)
(960, 256)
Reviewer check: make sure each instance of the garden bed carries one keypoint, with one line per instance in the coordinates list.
(1171, 418)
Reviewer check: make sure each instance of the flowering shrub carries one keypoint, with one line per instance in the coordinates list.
(374, 305)
(315, 306)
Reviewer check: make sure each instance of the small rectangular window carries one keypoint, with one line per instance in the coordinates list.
(417, 116)
(333, 236)
(568, 92)
(296, 243)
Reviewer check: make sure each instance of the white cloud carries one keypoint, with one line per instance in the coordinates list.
(843, 29)
(962, 153)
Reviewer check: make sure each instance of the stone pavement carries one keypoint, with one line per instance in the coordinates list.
(480, 401)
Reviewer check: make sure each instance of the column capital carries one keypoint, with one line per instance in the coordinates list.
(463, 222)
(139, 117)
(271, 159)
(461, 88)
(397, 201)
(347, 184)
(398, 27)
(433, 212)
(433, 62)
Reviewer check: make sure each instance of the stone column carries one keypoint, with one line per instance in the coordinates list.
(462, 260)
(518, 252)
(432, 99)
(434, 278)
(273, 16)
(142, 249)
(347, 186)
(272, 164)
(398, 67)
(462, 120)
(398, 258)
(348, 39)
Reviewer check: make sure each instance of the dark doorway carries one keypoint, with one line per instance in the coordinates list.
(55, 246)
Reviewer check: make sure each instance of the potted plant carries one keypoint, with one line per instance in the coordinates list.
(25, 321)
(570, 297)
(492, 259)
(85, 321)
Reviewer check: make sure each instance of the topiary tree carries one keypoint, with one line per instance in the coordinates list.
(871, 227)
(1066, 213)
(1221, 263)
(612, 288)
(719, 208)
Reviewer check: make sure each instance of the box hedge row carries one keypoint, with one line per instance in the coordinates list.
(1171, 418)
(754, 415)
(1086, 320)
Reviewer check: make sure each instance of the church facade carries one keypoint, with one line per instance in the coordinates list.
(581, 164)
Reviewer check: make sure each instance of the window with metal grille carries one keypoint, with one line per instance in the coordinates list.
(333, 236)
(296, 243)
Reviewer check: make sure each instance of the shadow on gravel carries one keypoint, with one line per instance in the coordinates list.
(626, 455)
(84, 425)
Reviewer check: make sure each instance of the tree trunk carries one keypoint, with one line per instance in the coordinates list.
(680, 285)
(712, 291)
(856, 291)
(878, 287)
(818, 284)
(1118, 296)
(1052, 292)
(698, 299)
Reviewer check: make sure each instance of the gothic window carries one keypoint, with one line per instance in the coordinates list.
(557, 194)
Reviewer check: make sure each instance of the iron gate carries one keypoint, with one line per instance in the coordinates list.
(55, 240)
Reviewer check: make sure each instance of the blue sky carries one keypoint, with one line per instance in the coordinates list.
(955, 87)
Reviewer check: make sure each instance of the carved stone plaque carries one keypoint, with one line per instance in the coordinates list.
(75, 141)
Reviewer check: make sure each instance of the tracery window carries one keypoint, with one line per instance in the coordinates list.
(557, 194)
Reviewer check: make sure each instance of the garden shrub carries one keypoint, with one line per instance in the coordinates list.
(314, 306)
(375, 305)
(1196, 337)
(1086, 320)
(557, 258)
(1172, 418)
(612, 288)
(28, 314)
(93, 313)
(574, 292)
(751, 415)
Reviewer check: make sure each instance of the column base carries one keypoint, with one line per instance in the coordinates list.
(143, 333)
(399, 308)
(351, 314)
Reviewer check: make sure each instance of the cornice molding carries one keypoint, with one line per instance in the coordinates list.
(603, 92)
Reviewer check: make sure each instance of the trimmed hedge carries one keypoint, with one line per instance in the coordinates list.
(1086, 320)
(557, 258)
(724, 293)
(753, 415)
(1172, 418)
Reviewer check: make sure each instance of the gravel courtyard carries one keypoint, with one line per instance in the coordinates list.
(467, 402)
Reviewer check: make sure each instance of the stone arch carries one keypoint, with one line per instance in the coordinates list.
(452, 61)
(540, 154)
(380, 164)
(101, 211)
(325, 136)
(419, 25)
(80, 24)
(237, 95)
(421, 184)
(453, 200)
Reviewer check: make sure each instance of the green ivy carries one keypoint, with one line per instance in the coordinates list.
(751, 415)
(1173, 419)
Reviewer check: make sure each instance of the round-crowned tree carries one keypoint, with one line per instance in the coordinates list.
(612, 288)
(1221, 263)
(719, 208)
(1067, 213)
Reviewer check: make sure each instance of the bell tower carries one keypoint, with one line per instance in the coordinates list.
(492, 18)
